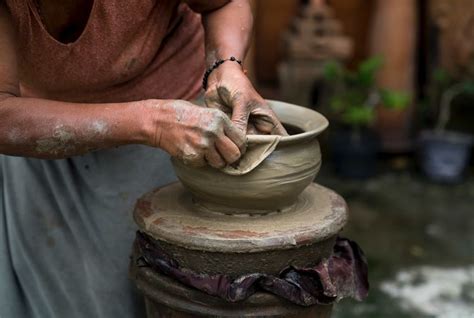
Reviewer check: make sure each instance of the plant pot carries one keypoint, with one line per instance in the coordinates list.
(444, 156)
(354, 155)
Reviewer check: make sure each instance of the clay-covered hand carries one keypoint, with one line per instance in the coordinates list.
(230, 90)
(196, 135)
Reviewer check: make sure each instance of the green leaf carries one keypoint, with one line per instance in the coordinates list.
(367, 70)
(441, 76)
(337, 104)
(394, 100)
(356, 96)
(333, 71)
(341, 101)
(358, 116)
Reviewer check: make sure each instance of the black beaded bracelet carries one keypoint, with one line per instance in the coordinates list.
(214, 66)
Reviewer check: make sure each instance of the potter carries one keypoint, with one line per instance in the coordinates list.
(94, 98)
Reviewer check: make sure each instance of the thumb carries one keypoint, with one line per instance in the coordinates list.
(240, 115)
(213, 100)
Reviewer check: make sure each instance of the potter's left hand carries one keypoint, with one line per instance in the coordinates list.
(230, 90)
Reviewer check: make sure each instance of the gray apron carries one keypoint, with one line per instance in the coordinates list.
(66, 230)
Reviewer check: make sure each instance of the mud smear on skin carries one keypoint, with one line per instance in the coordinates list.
(16, 136)
(62, 141)
(64, 138)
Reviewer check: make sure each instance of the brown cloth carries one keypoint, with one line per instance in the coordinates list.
(128, 50)
(344, 274)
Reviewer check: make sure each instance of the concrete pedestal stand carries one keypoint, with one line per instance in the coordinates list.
(211, 243)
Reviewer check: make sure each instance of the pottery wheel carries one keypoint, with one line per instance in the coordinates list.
(213, 242)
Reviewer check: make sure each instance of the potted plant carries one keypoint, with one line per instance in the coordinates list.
(353, 98)
(444, 154)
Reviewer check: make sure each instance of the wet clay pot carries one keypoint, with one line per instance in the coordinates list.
(275, 183)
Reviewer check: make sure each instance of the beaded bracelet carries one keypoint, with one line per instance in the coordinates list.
(214, 66)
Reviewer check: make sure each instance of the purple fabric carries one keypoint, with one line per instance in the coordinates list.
(344, 274)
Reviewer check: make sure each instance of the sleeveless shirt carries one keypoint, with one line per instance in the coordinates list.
(128, 50)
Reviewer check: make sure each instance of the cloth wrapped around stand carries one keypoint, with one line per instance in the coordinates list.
(343, 274)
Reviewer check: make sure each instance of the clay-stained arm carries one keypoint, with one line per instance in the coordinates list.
(48, 129)
(228, 29)
(228, 32)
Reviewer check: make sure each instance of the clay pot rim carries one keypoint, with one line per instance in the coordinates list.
(317, 121)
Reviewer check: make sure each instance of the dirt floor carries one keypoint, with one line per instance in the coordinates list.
(419, 241)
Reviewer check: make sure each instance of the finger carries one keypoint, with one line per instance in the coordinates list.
(227, 149)
(269, 124)
(263, 124)
(194, 160)
(265, 120)
(251, 129)
(240, 114)
(235, 135)
(213, 100)
(278, 128)
(214, 159)
(219, 106)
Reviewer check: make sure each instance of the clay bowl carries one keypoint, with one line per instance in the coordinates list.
(273, 185)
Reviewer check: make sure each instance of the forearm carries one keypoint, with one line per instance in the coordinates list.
(53, 130)
(228, 31)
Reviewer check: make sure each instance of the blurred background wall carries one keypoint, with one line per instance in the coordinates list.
(404, 169)
(415, 37)
(274, 16)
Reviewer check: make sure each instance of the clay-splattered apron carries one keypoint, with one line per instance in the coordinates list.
(66, 225)
(66, 230)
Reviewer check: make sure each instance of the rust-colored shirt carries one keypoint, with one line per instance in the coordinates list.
(128, 50)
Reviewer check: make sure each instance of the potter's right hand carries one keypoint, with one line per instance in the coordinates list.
(195, 134)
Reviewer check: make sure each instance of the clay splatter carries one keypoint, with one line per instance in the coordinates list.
(60, 142)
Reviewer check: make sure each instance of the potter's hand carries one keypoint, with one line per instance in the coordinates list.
(230, 90)
(196, 135)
